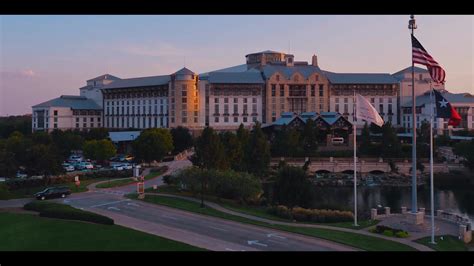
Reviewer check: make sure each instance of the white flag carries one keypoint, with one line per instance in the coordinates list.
(365, 111)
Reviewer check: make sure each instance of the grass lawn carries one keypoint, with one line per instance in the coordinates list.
(25, 232)
(28, 192)
(128, 181)
(351, 239)
(449, 243)
(257, 210)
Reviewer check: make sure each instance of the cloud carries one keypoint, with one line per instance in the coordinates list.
(26, 73)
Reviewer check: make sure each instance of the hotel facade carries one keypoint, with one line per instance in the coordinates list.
(266, 86)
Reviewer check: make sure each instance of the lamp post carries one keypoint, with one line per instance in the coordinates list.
(414, 208)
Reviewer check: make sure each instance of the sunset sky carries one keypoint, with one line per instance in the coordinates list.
(43, 57)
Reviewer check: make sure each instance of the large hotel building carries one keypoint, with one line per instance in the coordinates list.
(269, 84)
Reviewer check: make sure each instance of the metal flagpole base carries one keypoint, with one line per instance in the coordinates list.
(433, 243)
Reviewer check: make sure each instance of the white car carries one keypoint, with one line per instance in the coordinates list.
(68, 167)
(337, 140)
(127, 166)
(21, 175)
(118, 167)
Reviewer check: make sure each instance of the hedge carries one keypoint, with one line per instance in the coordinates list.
(388, 231)
(311, 215)
(61, 211)
(14, 184)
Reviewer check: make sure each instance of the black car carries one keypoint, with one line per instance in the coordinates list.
(53, 192)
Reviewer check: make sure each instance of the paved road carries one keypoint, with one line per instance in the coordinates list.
(204, 231)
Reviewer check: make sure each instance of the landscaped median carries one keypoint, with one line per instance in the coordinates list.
(444, 243)
(127, 181)
(360, 241)
(26, 232)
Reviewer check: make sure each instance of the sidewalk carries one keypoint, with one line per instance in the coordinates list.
(216, 206)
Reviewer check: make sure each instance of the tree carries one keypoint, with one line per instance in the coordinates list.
(365, 143)
(99, 150)
(67, 141)
(152, 144)
(292, 188)
(466, 150)
(41, 137)
(286, 142)
(391, 145)
(18, 147)
(209, 152)
(309, 138)
(182, 139)
(257, 154)
(43, 160)
(96, 133)
(233, 150)
(423, 140)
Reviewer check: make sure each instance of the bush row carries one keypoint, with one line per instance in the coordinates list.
(14, 184)
(61, 211)
(311, 215)
(388, 231)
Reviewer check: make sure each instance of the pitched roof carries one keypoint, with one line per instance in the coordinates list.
(123, 136)
(71, 101)
(248, 77)
(360, 78)
(184, 71)
(287, 71)
(408, 69)
(287, 117)
(105, 76)
(450, 97)
(266, 52)
(139, 82)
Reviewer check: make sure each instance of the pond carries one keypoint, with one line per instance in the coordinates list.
(459, 200)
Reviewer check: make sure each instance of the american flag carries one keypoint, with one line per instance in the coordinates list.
(421, 56)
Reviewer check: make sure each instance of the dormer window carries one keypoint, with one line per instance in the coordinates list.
(290, 60)
(278, 77)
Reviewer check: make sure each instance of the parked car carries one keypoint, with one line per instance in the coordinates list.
(53, 192)
(117, 167)
(21, 175)
(75, 158)
(127, 166)
(68, 167)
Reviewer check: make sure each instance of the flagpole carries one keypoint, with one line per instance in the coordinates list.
(355, 160)
(414, 207)
(431, 168)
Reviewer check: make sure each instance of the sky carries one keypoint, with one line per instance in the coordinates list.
(43, 57)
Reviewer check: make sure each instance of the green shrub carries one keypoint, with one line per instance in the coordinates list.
(168, 179)
(388, 233)
(4, 192)
(311, 215)
(402, 234)
(61, 211)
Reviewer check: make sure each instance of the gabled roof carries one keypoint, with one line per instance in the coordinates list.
(287, 71)
(105, 76)
(184, 71)
(330, 117)
(287, 117)
(124, 136)
(360, 78)
(408, 70)
(139, 82)
(450, 97)
(265, 52)
(71, 101)
(248, 77)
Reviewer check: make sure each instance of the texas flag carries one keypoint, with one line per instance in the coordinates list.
(445, 110)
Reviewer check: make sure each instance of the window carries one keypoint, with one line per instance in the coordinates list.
(381, 108)
(236, 109)
(273, 90)
(244, 119)
(245, 100)
(216, 100)
(236, 100)
(216, 119)
(216, 109)
(184, 100)
(55, 119)
(77, 119)
(184, 119)
(84, 119)
(254, 119)
(226, 100)
(313, 91)
(92, 119)
(226, 119)
(321, 90)
(254, 108)
(55, 112)
(77, 125)
(184, 93)
(245, 109)
(282, 90)
(390, 109)
(226, 109)
(236, 119)
(83, 125)
(254, 100)
(337, 108)
(346, 100)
